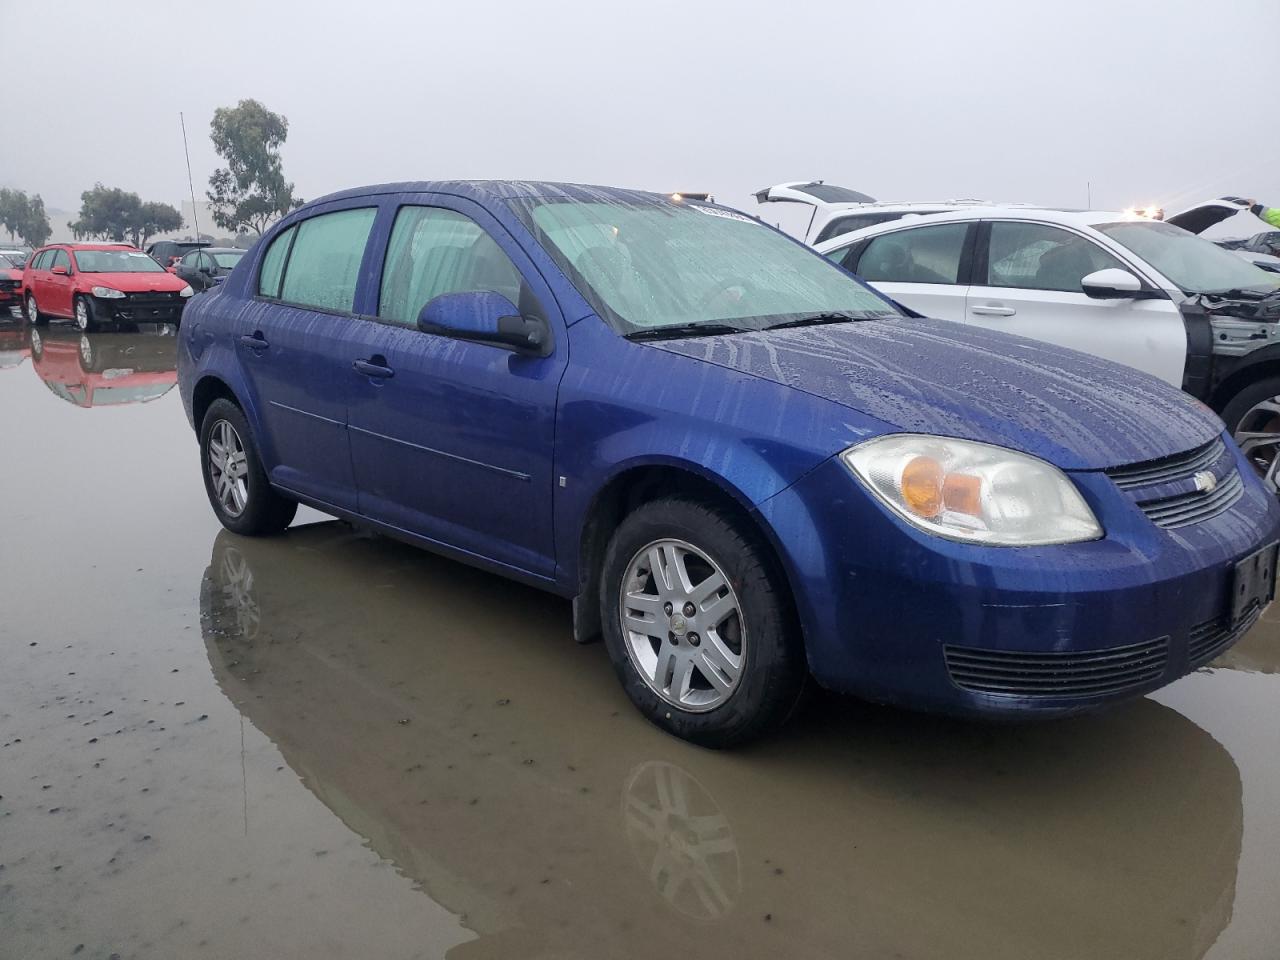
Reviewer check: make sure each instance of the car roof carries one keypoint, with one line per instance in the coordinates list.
(1055, 215)
(488, 190)
(222, 250)
(103, 245)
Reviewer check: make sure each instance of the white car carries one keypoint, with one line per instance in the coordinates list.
(1127, 288)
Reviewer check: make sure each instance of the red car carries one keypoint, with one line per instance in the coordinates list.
(10, 285)
(97, 283)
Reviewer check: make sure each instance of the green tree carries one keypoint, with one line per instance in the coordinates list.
(109, 213)
(250, 192)
(24, 217)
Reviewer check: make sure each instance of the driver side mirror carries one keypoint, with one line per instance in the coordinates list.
(485, 317)
(1111, 284)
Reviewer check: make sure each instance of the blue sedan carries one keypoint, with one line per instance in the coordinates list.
(745, 467)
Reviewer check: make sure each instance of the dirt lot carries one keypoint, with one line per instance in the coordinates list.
(326, 745)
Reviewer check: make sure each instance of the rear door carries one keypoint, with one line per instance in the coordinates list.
(1027, 281)
(924, 267)
(295, 343)
(453, 440)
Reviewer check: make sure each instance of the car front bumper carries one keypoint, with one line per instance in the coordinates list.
(138, 309)
(895, 615)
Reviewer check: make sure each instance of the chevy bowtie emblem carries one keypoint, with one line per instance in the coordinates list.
(1206, 481)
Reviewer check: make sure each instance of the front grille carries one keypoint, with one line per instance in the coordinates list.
(1212, 637)
(1053, 675)
(1148, 485)
(8, 285)
(1168, 469)
(149, 306)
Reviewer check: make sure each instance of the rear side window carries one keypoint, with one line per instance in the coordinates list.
(435, 251)
(919, 255)
(1033, 256)
(324, 264)
(273, 265)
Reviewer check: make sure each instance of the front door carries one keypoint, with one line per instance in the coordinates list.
(1028, 283)
(295, 342)
(454, 440)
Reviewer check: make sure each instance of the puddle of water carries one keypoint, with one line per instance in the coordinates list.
(328, 745)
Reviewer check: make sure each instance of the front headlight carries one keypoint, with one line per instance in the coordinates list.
(973, 492)
(186, 291)
(108, 293)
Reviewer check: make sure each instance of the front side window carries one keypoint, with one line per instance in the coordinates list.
(42, 262)
(60, 259)
(1034, 256)
(324, 264)
(645, 264)
(116, 261)
(435, 251)
(919, 255)
(1196, 265)
(273, 264)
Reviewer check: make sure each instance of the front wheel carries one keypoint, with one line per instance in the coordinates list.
(85, 318)
(1253, 417)
(238, 489)
(698, 625)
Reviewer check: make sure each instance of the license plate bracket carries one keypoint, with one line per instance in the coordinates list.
(1253, 582)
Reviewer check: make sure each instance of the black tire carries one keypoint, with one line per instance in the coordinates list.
(91, 320)
(265, 511)
(1238, 408)
(32, 311)
(773, 669)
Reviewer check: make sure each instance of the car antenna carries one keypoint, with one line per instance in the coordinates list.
(195, 217)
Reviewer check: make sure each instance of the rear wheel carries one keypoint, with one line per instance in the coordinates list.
(85, 318)
(1253, 417)
(238, 489)
(34, 316)
(699, 629)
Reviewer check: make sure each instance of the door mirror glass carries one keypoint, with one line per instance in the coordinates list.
(484, 317)
(1111, 284)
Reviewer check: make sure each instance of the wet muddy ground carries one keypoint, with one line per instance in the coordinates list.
(326, 745)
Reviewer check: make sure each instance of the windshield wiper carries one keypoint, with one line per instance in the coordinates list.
(677, 330)
(817, 319)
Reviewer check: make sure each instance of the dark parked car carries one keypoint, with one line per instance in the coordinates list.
(206, 267)
(743, 465)
(168, 252)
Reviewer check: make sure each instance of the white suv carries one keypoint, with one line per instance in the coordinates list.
(1137, 291)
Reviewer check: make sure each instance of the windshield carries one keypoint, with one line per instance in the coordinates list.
(227, 260)
(8, 260)
(1196, 265)
(116, 261)
(644, 265)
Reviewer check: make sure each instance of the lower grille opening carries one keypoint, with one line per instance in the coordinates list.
(1057, 675)
(1213, 637)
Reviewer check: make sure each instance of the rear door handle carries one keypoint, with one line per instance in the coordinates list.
(993, 311)
(255, 340)
(372, 368)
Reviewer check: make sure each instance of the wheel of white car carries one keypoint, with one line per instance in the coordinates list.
(1253, 417)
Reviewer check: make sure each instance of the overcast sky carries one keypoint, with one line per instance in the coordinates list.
(1170, 101)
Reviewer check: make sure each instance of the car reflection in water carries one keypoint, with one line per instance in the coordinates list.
(14, 345)
(100, 369)
(447, 717)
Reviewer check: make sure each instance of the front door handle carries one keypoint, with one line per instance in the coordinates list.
(991, 310)
(255, 340)
(373, 368)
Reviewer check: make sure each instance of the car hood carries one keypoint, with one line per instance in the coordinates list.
(931, 376)
(1202, 216)
(136, 282)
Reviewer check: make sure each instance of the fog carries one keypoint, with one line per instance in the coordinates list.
(1060, 103)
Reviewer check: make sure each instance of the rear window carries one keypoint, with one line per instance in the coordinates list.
(830, 193)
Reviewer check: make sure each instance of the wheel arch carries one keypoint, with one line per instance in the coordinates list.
(1264, 364)
(640, 483)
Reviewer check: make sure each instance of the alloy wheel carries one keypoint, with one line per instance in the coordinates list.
(33, 313)
(682, 625)
(82, 314)
(1258, 434)
(228, 468)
